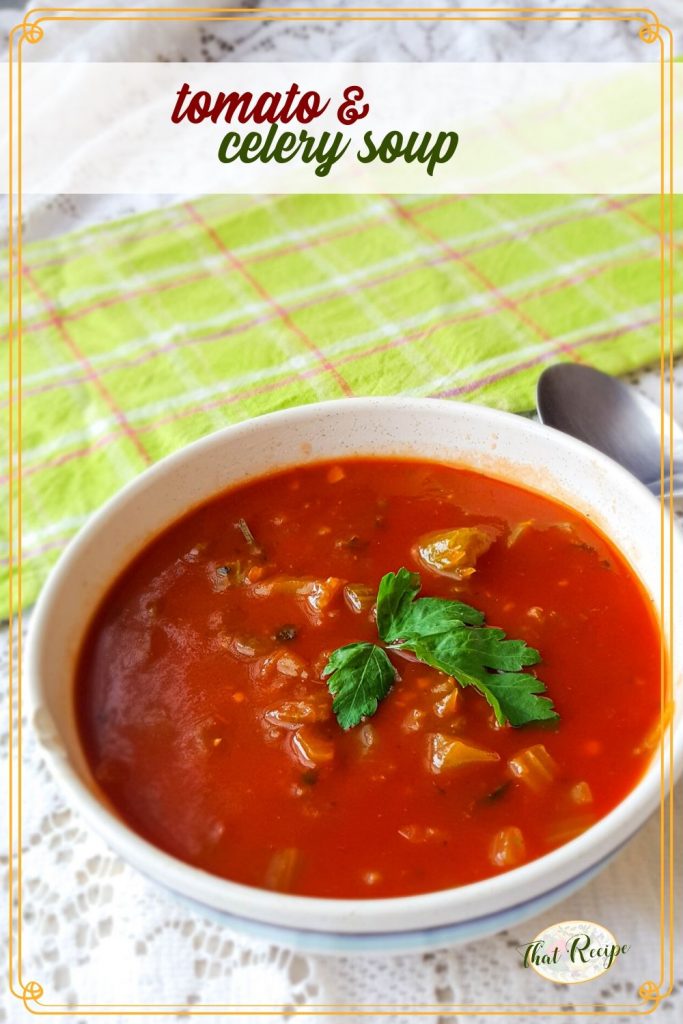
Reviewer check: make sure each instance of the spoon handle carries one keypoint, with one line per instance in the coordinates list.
(673, 486)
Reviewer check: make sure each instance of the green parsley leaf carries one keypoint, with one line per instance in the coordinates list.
(485, 646)
(469, 655)
(394, 596)
(514, 697)
(360, 676)
(430, 615)
(400, 616)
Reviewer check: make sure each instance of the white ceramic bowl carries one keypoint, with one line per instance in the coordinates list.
(496, 443)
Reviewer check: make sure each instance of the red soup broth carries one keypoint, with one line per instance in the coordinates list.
(207, 723)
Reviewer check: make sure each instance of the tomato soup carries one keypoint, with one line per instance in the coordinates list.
(224, 725)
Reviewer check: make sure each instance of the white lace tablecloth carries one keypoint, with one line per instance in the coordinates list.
(95, 931)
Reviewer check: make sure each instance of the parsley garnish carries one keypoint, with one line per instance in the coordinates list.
(449, 636)
(360, 676)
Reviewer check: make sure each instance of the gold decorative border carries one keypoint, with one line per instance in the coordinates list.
(31, 31)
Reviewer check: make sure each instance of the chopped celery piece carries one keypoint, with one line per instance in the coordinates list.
(455, 552)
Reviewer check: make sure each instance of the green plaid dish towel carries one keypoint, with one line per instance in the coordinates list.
(144, 334)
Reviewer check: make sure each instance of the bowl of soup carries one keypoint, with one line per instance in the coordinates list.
(369, 675)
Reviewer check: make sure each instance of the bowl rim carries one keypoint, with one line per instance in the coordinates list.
(369, 916)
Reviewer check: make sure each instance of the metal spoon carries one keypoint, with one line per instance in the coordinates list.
(607, 414)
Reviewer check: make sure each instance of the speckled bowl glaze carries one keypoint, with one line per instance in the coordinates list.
(492, 442)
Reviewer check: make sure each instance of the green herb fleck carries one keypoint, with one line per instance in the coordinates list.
(286, 633)
(252, 543)
(495, 794)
